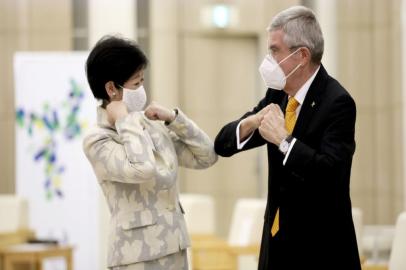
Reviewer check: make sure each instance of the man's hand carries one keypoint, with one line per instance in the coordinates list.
(251, 123)
(272, 127)
(116, 110)
(154, 111)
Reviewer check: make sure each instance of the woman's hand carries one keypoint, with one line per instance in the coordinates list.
(116, 110)
(251, 123)
(154, 111)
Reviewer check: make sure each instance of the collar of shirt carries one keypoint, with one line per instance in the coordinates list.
(102, 118)
(301, 94)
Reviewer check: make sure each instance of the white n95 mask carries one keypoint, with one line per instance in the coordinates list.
(272, 73)
(135, 99)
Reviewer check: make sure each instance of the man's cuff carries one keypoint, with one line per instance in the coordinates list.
(241, 145)
(287, 153)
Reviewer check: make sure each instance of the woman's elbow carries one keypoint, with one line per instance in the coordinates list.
(213, 157)
(207, 161)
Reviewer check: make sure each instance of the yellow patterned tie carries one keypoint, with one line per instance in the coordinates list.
(290, 121)
(290, 114)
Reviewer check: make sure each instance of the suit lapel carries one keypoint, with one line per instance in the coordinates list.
(284, 103)
(311, 102)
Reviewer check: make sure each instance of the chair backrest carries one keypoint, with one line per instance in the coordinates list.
(397, 260)
(247, 222)
(14, 213)
(358, 224)
(199, 213)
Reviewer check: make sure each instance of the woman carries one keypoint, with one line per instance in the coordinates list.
(135, 156)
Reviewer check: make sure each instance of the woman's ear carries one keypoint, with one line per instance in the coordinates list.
(111, 90)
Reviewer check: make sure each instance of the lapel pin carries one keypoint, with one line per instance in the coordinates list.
(313, 103)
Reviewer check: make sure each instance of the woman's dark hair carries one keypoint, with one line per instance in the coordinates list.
(113, 59)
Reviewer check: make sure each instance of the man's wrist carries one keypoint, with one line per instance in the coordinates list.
(284, 145)
(252, 123)
(247, 126)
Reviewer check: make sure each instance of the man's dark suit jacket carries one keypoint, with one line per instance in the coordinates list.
(312, 190)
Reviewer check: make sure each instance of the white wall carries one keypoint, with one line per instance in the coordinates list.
(326, 11)
(403, 52)
(107, 16)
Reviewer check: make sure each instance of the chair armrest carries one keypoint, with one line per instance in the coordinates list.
(244, 250)
(17, 237)
(375, 267)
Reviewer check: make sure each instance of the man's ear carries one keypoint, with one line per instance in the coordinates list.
(111, 90)
(306, 56)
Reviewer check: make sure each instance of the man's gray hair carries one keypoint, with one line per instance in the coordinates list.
(301, 28)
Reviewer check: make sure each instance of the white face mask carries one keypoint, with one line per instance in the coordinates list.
(272, 73)
(135, 99)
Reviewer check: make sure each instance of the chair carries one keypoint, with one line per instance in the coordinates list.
(199, 213)
(247, 222)
(15, 209)
(14, 228)
(246, 232)
(200, 222)
(377, 243)
(212, 252)
(397, 260)
(358, 224)
(14, 234)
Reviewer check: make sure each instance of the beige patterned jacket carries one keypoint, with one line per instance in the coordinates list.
(136, 164)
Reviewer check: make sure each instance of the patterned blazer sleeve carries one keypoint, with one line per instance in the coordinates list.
(130, 161)
(193, 146)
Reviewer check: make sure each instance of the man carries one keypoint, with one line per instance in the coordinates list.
(309, 132)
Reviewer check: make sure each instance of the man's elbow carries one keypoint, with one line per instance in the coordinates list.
(221, 149)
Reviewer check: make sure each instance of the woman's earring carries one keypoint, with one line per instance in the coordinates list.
(114, 94)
